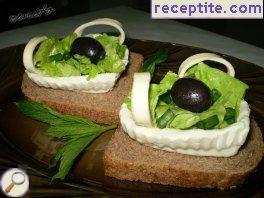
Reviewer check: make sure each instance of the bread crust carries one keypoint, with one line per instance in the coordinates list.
(127, 159)
(100, 107)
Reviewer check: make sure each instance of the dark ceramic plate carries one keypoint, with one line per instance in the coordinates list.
(24, 144)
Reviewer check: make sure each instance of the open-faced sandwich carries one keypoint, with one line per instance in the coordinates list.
(56, 69)
(74, 133)
(192, 129)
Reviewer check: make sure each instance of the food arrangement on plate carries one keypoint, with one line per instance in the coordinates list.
(192, 129)
(197, 122)
(69, 74)
(90, 63)
(175, 114)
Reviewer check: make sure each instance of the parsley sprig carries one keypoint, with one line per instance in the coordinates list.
(75, 133)
(149, 65)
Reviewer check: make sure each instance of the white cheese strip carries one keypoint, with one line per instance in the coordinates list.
(216, 142)
(140, 99)
(28, 53)
(197, 58)
(103, 21)
(100, 84)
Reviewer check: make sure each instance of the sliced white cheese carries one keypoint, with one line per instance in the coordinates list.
(197, 58)
(100, 84)
(216, 142)
(103, 21)
(140, 99)
(28, 53)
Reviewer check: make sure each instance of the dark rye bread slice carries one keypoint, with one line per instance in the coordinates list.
(101, 107)
(127, 159)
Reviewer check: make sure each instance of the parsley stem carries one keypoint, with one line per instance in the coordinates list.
(110, 127)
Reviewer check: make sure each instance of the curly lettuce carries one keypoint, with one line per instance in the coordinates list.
(227, 93)
(53, 58)
(156, 90)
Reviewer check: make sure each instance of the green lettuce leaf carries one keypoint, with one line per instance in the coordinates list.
(44, 49)
(109, 43)
(161, 109)
(128, 102)
(184, 120)
(111, 64)
(53, 58)
(121, 50)
(232, 90)
(227, 93)
(63, 45)
(156, 90)
(86, 67)
(60, 69)
(114, 54)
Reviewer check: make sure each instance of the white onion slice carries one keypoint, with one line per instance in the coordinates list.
(103, 21)
(28, 53)
(197, 58)
(140, 99)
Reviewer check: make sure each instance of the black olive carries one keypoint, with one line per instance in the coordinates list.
(191, 94)
(89, 47)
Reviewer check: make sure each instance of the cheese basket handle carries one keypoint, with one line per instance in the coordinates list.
(103, 21)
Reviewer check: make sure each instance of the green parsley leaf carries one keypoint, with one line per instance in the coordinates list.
(69, 130)
(158, 57)
(43, 113)
(68, 153)
(76, 132)
(39, 111)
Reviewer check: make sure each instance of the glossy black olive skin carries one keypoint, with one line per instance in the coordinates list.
(89, 47)
(191, 94)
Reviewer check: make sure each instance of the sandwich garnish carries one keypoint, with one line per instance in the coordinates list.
(140, 88)
(197, 104)
(160, 56)
(74, 132)
(90, 63)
